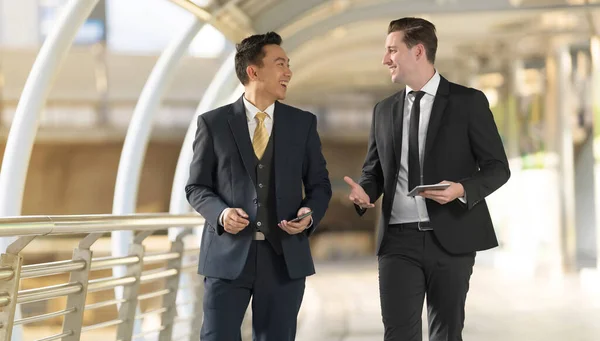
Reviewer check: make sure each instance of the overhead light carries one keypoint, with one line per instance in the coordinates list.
(202, 3)
(559, 20)
(515, 3)
(340, 5)
(339, 33)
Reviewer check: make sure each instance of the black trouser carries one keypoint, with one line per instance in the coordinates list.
(413, 264)
(276, 299)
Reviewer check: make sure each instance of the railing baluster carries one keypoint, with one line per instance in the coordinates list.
(197, 316)
(130, 292)
(73, 321)
(172, 284)
(9, 287)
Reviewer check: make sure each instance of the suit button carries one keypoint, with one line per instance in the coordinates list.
(261, 166)
(260, 186)
(259, 205)
(258, 224)
(255, 201)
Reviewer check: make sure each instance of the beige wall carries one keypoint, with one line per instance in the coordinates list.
(79, 178)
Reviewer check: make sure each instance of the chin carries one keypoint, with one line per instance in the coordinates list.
(397, 80)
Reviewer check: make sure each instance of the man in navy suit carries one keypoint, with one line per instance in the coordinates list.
(251, 159)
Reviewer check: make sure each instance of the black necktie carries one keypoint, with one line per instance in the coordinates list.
(414, 167)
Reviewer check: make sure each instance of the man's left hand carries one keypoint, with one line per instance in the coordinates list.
(444, 196)
(299, 226)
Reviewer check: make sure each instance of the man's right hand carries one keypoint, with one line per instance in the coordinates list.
(235, 220)
(358, 195)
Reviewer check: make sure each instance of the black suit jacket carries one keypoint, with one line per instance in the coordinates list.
(222, 175)
(462, 145)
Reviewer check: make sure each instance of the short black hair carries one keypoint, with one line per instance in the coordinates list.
(417, 31)
(250, 51)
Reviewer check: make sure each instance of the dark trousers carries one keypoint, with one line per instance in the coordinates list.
(413, 264)
(276, 300)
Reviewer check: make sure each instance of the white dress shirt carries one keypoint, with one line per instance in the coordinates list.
(407, 209)
(251, 112)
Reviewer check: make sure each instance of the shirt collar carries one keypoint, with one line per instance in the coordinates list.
(430, 87)
(251, 110)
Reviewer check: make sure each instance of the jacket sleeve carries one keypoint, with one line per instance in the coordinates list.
(317, 186)
(371, 179)
(200, 191)
(487, 147)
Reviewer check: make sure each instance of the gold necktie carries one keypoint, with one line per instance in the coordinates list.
(261, 136)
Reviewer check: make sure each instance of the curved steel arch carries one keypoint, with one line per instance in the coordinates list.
(26, 120)
(222, 85)
(393, 9)
(283, 13)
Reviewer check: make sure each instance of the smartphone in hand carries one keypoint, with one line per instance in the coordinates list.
(297, 219)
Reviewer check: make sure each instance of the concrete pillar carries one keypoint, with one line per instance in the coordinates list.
(514, 80)
(585, 196)
(595, 59)
(564, 146)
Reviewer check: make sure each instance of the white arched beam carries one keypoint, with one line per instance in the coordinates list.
(222, 85)
(26, 120)
(393, 9)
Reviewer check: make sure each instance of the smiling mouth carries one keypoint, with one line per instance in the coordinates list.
(284, 84)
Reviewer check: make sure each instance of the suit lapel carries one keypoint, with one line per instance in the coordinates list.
(280, 132)
(397, 116)
(239, 127)
(437, 112)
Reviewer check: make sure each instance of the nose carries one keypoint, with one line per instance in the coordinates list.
(288, 72)
(386, 59)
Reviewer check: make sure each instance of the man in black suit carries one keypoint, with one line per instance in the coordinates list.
(251, 159)
(430, 132)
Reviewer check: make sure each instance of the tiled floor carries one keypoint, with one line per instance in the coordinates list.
(342, 304)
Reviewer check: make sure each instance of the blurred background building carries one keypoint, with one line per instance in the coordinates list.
(537, 61)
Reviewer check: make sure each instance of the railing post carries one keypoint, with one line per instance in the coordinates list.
(172, 283)
(73, 322)
(198, 314)
(130, 292)
(9, 287)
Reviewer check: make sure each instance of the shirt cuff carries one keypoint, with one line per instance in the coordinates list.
(463, 199)
(311, 223)
(221, 217)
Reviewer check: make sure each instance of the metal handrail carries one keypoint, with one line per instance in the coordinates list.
(89, 228)
(49, 292)
(43, 317)
(99, 223)
(53, 268)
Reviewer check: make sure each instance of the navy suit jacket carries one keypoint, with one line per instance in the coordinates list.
(222, 175)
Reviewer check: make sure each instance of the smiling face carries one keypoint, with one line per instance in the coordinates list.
(399, 58)
(273, 76)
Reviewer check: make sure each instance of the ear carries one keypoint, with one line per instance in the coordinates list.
(251, 72)
(420, 51)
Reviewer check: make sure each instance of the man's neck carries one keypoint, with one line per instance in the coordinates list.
(260, 102)
(423, 76)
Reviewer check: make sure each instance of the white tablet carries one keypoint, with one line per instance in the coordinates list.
(422, 188)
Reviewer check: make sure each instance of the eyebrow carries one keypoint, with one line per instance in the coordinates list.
(281, 59)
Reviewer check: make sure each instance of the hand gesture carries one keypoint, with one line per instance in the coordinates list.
(358, 195)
